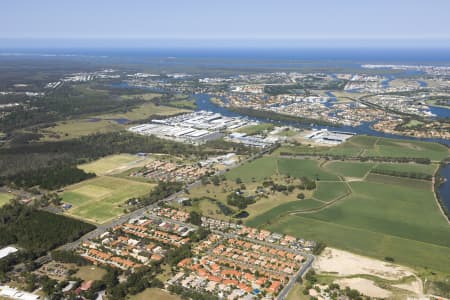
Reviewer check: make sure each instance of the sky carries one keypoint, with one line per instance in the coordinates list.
(249, 22)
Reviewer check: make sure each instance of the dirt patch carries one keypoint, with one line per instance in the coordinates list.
(344, 263)
(364, 286)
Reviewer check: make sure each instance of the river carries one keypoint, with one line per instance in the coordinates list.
(444, 189)
(203, 103)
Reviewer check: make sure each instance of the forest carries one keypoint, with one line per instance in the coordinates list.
(37, 231)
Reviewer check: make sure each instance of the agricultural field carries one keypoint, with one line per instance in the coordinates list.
(113, 164)
(379, 220)
(329, 191)
(101, 199)
(411, 168)
(309, 168)
(367, 146)
(405, 182)
(349, 169)
(256, 170)
(5, 198)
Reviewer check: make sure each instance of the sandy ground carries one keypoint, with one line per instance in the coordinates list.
(364, 286)
(414, 287)
(344, 263)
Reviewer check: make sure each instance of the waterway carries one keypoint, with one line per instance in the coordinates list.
(203, 103)
(444, 189)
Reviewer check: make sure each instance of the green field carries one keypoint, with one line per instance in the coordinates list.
(328, 191)
(257, 170)
(403, 181)
(377, 220)
(105, 123)
(309, 168)
(411, 168)
(256, 129)
(273, 214)
(367, 146)
(5, 198)
(154, 294)
(108, 164)
(99, 200)
(349, 169)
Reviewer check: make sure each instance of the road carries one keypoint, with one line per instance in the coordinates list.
(300, 273)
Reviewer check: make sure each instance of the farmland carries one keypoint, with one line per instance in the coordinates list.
(101, 199)
(375, 215)
(369, 146)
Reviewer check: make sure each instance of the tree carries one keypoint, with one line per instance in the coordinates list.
(301, 196)
(195, 218)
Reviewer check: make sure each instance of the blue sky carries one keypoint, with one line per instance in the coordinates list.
(318, 21)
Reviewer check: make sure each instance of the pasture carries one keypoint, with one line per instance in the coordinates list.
(377, 219)
(309, 168)
(329, 191)
(101, 199)
(256, 170)
(349, 169)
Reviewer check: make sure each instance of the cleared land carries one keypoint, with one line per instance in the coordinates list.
(101, 199)
(112, 164)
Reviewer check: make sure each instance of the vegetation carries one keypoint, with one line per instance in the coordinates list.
(50, 178)
(37, 231)
(103, 198)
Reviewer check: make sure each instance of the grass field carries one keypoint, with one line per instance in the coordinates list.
(379, 220)
(106, 122)
(154, 294)
(80, 127)
(143, 112)
(366, 146)
(256, 129)
(414, 168)
(328, 191)
(349, 169)
(257, 169)
(405, 182)
(5, 197)
(90, 273)
(309, 168)
(275, 213)
(108, 164)
(145, 96)
(99, 199)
